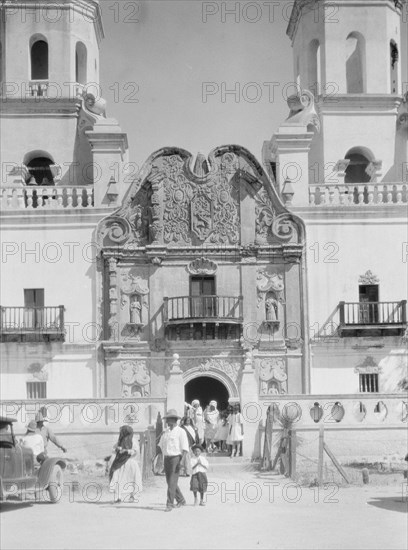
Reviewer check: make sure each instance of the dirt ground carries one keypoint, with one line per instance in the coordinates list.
(245, 509)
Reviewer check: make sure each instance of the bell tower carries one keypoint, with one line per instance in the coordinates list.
(52, 104)
(350, 55)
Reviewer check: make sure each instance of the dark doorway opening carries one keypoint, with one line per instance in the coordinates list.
(206, 389)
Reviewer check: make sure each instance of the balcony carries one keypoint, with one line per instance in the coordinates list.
(32, 324)
(46, 198)
(203, 317)
(372, 318)
(360, 194)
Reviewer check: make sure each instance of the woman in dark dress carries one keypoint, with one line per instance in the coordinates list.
(187, 425)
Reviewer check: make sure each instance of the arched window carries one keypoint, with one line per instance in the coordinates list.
(394, 58)
(359, 158)
(355, 63)
(314, 65)
(39, 60)
(40, 170)
(80, 63)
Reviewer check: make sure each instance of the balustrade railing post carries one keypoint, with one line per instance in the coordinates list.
(341, 312)
(165, 309)
(403, 311)
(61, 316)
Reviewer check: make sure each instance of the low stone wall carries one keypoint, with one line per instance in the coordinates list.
(357, 428)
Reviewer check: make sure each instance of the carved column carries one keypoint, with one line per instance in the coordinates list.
(175, 387)
(113, 300)
(249, 406)
(156, 211)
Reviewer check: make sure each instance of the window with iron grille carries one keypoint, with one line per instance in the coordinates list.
(369, 383)
(36, 390)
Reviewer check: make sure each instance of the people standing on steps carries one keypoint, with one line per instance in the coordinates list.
(174, 446)
(211, 417)
(236, 430)
(198, 419)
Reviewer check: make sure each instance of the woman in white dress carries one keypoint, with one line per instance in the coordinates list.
(198, 419)
(124, 476)
(211, 416)
(236, 430)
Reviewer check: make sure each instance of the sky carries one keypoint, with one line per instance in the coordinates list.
(167, 67)
(180, 58)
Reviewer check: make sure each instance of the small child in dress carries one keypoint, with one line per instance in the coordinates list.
(199, 466)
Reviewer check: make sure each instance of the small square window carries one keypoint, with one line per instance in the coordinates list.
(369, 383)
(36, 390)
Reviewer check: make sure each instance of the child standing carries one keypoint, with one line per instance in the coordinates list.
(199, 466)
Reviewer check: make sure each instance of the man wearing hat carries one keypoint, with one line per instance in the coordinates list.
(34, 440)
(174, 446)
(46, 433)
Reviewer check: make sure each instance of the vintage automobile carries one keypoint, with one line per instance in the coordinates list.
(20, 473)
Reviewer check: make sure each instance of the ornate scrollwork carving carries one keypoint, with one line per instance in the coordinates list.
(272, 376)
(302, 110)
(202, 266)
(231, 369)
(283, 228)
(131, 284)
(135, 378)
(265, 215)
(116, 229)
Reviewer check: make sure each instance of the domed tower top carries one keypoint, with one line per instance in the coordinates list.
(348, 46)
(49, 45)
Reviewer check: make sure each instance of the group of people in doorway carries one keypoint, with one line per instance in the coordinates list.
(217, 431)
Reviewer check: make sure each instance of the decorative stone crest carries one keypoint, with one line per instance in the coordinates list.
(38, 372)
(135, 379)
(131, 284)
(202, 266)
(272, 376)
(368, 366)
(368, 279)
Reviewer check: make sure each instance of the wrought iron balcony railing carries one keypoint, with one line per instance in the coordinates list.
(385, 316)
(23, 320)
(182, 309)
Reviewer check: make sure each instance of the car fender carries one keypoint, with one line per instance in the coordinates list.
(45, 472)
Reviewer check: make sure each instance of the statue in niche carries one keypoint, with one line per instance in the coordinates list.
(271, 308)
(135, 310)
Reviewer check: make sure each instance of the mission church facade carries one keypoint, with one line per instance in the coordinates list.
(223, 277)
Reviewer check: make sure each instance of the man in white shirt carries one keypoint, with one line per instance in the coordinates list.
(174, 445)
(33, 439)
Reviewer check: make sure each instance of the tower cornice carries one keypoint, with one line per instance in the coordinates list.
(88, 9)
(301, 5)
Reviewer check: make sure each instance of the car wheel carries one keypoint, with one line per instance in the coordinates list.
(56, 484)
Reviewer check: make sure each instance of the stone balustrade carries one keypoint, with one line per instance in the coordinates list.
(46, 197)
(351, 412)
(84, 416)
(358, 194)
